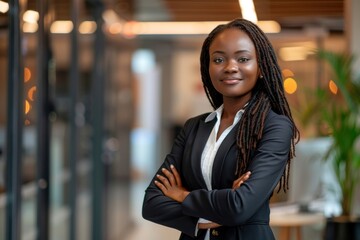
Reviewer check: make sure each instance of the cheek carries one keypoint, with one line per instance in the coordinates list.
(212, 73)
(211, 69)
(252, 71)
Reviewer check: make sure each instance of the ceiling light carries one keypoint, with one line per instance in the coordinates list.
(293, 53)
(115, 28)
(31, 16)
(248, 10)
(133, 28)
(87, 27)
(171, 28)
(61, 27)
(269, 26)
(110, 17)
(30, 27)
(4, 7)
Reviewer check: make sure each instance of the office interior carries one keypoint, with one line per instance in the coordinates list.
(92, 93)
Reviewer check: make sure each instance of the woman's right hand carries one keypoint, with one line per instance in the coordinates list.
(208, 225)
(237, 183)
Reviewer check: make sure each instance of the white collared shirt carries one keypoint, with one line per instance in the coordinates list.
(211, 148)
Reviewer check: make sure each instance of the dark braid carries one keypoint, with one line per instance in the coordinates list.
(267, 94)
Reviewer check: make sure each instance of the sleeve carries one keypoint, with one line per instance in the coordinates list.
(161, 209)
(232, 208)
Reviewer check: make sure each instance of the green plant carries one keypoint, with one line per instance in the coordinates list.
(341, 114)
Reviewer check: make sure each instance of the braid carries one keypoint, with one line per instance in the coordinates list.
(248, 137)
(214, 96)
(268, 94)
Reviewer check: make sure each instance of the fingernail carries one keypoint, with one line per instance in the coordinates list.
(163, 169)
(172, 166)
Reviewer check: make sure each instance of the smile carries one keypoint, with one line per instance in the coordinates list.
(231, 80)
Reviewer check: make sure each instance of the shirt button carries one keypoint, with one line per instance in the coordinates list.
(215, 233)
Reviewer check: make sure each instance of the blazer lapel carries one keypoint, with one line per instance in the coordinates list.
(201, 138)
(221, 155)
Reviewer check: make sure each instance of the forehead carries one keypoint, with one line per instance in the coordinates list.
(232, 37)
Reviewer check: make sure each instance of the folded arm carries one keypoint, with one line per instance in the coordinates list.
(161, 209)
(171, 185)
(231, 208)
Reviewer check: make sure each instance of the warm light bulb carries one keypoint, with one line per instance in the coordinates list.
(333, 87)
(290, 85)
(27, 107)
(31, 93)
(287, 73)
(27, 74)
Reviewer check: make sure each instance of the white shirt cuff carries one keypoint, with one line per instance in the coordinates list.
(201, 220)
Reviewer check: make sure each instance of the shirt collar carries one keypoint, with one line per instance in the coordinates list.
(217, 113)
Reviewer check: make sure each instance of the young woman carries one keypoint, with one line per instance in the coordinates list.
(224, 166)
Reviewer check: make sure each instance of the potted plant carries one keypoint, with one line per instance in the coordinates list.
(341, 114)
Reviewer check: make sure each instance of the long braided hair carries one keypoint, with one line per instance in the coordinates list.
(267, 94)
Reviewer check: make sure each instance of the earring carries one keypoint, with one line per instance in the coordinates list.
(261, 76)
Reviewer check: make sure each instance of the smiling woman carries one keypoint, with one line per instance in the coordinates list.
(224, 165)
(233, 66)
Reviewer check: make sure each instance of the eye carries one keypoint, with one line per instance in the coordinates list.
(243, 59)
(218, 60)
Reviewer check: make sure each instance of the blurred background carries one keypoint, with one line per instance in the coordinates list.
(92, 93)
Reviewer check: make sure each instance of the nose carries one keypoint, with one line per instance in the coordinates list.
(231, 66)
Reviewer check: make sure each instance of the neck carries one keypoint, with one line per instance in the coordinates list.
(231, 107)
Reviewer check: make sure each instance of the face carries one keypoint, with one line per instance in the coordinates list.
(233, 65)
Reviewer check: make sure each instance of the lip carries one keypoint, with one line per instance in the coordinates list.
(231, 80)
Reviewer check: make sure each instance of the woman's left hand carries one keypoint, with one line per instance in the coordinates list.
(171, 184)
(237, 183)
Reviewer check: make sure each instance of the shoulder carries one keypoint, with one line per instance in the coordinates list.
(274, 118)
(278, 123)
(277, 134)
(192, 123)
(196, 119)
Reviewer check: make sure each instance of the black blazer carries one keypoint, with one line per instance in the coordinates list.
(243, 213)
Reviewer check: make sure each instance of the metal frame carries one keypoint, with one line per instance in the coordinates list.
(43, 124)
(73, 133)
(15, 114)
(97, 121)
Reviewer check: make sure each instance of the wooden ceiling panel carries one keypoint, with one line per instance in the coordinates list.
(279, 9)
(210, 10)
(286, 12)
(289, 13)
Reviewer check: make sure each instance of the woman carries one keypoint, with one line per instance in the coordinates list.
(224, 166)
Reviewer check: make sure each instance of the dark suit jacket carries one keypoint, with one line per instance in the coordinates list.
(243, 213)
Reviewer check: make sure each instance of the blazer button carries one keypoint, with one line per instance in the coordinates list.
(214, 233)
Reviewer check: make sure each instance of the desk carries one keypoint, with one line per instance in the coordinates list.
(294, 221)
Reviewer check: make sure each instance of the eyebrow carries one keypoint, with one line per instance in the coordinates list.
(222, 52)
